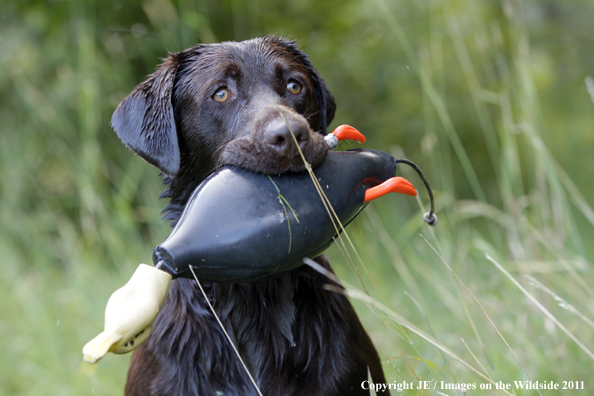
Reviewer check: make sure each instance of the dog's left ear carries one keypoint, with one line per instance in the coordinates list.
(326, 102)
(322, 94)
(145, 121)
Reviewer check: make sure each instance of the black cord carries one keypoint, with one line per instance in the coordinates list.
(429, 217)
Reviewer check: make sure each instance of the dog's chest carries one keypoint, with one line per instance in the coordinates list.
(288, 331)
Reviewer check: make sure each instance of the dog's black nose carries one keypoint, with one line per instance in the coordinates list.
(278, 136)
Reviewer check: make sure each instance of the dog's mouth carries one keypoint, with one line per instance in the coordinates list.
(280, 141)
(256, 155)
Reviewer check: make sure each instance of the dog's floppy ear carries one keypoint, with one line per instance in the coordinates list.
(145, 121)
(328, 107)
(322, 94)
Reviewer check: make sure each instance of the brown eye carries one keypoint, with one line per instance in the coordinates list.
(293, 87)
(221, 95)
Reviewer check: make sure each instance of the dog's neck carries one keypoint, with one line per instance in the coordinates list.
(180, 187)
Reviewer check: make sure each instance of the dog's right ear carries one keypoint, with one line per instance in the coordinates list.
(145, 121)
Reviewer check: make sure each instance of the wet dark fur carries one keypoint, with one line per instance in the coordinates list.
(295, 337)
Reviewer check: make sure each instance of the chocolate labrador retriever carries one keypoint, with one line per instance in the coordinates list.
(235, 104)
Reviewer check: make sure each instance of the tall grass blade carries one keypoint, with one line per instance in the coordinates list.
(541, 307)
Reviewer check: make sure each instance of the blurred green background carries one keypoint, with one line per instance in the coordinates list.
(493, 99)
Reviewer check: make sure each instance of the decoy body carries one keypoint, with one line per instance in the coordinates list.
(236, 215)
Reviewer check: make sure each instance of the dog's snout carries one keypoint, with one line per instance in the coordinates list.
(283, 137)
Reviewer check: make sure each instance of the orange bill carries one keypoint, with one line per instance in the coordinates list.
(347, 132)
(395, 184)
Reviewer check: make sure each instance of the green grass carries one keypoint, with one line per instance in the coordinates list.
(476, 285)
(500, 290)
(467, 302)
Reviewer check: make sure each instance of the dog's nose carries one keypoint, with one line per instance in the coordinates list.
(279, 136)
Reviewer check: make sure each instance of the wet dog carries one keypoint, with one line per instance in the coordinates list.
(237, 104)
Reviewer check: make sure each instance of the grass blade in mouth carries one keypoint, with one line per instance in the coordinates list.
(284, 201)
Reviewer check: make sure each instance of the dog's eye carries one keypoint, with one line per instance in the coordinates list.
(293, 87)
(221, 95)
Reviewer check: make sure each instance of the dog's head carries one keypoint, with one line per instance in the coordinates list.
(247, 104)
